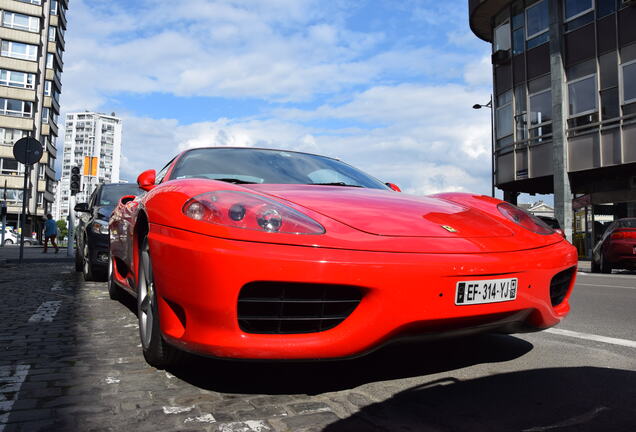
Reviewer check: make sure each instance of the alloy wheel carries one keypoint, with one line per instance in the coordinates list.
(146, 297)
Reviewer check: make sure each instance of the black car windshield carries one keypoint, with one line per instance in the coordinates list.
(247, 165)
(111, 193)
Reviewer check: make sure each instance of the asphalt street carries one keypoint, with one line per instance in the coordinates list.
(70, 361)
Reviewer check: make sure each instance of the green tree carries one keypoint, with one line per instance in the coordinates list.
(62, 229)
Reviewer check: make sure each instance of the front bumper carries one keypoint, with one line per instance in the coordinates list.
(198, 279)
(98, 245)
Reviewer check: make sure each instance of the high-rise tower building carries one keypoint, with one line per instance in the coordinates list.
(92, 141)
(32, 44)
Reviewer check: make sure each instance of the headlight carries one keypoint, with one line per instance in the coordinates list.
(100, 227)
(249, 211)
(525, 219)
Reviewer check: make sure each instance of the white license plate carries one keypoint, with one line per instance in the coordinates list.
(485, 291)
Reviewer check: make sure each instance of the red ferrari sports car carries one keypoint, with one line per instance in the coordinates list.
(268, 254)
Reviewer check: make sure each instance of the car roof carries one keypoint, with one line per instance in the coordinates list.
(259, 148)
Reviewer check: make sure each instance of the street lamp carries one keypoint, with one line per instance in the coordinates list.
(492, 143)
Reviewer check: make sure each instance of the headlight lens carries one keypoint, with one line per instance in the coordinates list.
(525, 219)
(249, 211)
(100, 227)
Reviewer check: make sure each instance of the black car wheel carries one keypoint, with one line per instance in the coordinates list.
(8, 242)
(156, 351)
(605, 267)
(113, 290)
(87, 267)
(596, 268)
(79, 264)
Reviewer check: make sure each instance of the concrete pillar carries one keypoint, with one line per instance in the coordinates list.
(562, 192)
(511, 197)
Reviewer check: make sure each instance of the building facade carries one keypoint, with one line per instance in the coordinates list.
(32, 44)
(92, 141)
(564, 85)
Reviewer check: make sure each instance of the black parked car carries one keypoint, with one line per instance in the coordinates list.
(91, 234)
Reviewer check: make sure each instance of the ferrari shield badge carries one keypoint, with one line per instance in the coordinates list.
(449, 228)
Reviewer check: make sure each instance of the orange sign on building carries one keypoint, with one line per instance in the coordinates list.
(90, 166)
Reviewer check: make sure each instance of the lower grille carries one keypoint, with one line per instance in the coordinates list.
(291, 308)
(560, 284)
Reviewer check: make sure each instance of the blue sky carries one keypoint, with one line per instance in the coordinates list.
(387, 86)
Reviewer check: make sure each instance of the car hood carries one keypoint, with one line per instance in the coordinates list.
(389, 213)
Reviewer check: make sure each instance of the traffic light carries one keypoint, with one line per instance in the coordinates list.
(76, 180)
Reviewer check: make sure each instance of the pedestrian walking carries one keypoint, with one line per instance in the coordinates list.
(50, 233)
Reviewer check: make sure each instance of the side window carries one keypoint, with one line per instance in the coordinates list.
(163, 172)
(93, 198)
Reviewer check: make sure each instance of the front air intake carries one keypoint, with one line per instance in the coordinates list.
(291, 308)
(560, 284)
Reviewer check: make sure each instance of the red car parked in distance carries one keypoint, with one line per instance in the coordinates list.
(617, 247)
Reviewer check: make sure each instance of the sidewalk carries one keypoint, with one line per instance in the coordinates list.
(32, 254)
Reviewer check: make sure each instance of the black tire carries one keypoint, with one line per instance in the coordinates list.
(78, 260)
(156, 351)
(87, 266)
(596, 268)
(605, 267)
(8, 242)
(113, 290)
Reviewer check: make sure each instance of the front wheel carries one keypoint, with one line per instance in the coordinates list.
(605, 267)
(113, 290)
(156, 351)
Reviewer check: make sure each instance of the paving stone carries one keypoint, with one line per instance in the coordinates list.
(322, 419)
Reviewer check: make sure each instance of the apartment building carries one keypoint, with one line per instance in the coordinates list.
(92, 141)
(32, 44)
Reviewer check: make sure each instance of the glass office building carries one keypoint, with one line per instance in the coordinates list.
(564, 85)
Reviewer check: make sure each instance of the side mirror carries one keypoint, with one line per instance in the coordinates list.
(393, 187)
(126, 199)
(146, 179)
(81, 208)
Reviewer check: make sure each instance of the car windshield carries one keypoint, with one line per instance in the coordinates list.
(113, 192)
(245, 165)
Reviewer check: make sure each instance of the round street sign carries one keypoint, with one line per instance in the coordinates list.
(28, 150)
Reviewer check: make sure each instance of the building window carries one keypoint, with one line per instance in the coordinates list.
(537, 19)
(35, 2)
(14, 196)
(502, 37)
(576, 8)
(47, 87)
(504, 114)
(17, 79)
(10, 136)
(20, 22)
(10, 167)
(45, 115)
(540, 108)
(582, 96)
(16, 108)
(19, 50)
(629, 82)
(605, 7)
(49, 61)
(52, 31)
(54, 7)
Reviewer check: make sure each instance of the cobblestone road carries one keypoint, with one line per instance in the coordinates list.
(70, 360)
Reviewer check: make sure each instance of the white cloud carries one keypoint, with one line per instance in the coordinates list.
(370, 104)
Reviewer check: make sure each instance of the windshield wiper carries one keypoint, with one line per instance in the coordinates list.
(234, 180)
(335, 184)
